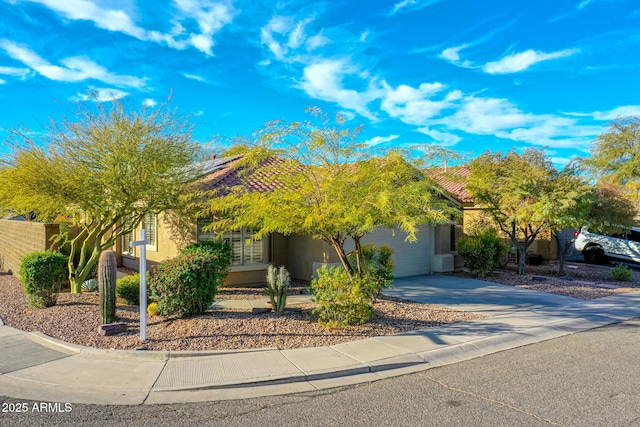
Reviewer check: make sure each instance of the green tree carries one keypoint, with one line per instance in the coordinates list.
(329, 186)
(525, 195)
(102, 171)
(615, 154)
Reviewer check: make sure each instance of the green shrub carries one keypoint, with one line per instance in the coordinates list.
(90, 285)
(221, 250)
(185, 285)
(481, 252)
(378, 266)
(128, 288)
(42, 274)
(341, 301)
(622, 273)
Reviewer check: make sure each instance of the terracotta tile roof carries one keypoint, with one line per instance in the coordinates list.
(453, 180)
(229, 175)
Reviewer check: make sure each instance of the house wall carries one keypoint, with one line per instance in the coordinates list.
(544, 244)
(410, 259)
(303, 252)
(166, 246)
(20, 238)
(169, 244)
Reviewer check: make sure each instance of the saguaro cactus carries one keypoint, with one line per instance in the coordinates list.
(107, 274)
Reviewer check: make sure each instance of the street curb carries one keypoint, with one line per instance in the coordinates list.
(64, 346)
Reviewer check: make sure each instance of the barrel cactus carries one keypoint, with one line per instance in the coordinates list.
(107, 275)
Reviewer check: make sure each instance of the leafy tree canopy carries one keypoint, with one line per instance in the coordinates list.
(103, 170)
(525, 195)
(615, 157)
(330, 186)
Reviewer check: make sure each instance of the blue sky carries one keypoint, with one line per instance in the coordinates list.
(469, 75)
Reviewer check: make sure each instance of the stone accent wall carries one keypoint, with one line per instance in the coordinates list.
(19, 238)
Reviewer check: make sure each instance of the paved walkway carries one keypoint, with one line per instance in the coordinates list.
(34, 366)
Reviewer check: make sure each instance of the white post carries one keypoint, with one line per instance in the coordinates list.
(143, 282)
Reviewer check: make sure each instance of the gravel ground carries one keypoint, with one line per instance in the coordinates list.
(583, 281)
(76, 317)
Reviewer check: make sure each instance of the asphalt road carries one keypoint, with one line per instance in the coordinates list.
(587, 379)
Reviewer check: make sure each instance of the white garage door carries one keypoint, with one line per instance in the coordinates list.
(411, 259)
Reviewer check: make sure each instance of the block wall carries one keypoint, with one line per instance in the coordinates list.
(19, 238)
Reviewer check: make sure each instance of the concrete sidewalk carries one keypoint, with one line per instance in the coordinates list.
(34, 366)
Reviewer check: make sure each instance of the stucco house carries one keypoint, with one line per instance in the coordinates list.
(302, 255)
(453, 180)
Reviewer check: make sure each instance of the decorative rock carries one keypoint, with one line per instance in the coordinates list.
(142, 348)
(569, 278)
(258, 310)
(539, 278)
(112, 328)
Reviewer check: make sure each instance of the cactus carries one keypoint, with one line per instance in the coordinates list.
(107, 273)
(90, 285)
(277, 288)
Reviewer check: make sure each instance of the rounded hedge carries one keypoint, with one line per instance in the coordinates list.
(185, 285)
(42, 274)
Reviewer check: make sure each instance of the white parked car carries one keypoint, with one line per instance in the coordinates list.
(623, 246)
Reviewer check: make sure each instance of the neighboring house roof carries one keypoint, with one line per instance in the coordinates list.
(453, 180)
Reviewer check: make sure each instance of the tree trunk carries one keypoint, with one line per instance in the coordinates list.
(563, 250)
(522, 258)
(339, 248)
(360, 262)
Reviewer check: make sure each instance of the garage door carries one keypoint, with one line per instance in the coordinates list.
(411, 259)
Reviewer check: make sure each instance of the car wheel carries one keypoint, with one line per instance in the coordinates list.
(593, 255)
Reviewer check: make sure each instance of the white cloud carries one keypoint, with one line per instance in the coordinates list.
(584, 4)
(108, 19)
(194, 77)
(149, 102)
(411, 5)
(452, 55)
(444, 139)
(622, 111)
(486, 116)
(209, 16)
(499, 117)
(414, 106)
(74, 69)
(521, 61)
(2, 81)
(100, 95)
(14, 71)
(376, 140)
(324, 80)
(283, 35)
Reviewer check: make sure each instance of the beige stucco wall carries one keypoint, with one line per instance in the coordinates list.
(544, 244)
(20, 238)
(303, 251)
(169, 244)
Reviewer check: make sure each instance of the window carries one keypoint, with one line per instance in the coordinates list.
(127, 238)
(202, 233)
(245, 249)
(127, 249)
(150, 225)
